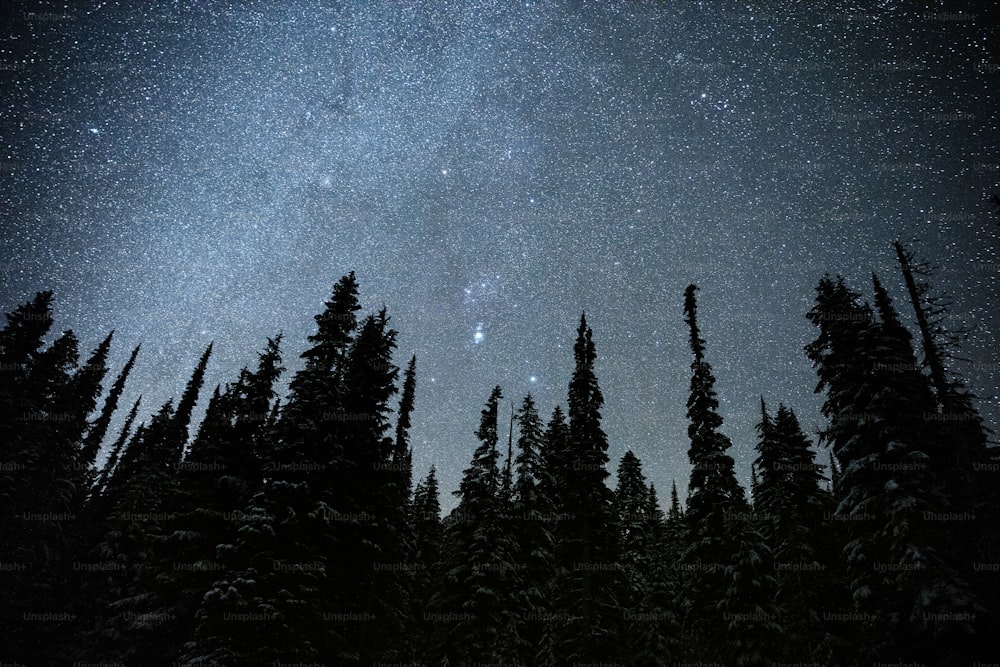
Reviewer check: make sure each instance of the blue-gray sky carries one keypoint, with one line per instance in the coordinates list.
(189, 172)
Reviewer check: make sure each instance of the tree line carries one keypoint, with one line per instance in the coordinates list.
(288, 529)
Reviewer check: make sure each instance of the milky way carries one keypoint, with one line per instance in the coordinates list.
(206, 171)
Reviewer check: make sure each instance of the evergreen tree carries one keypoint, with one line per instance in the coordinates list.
(38, 476)
(216, 478)
(115, 453)
(555, 462)
(402, 455)
(98, 429)
(532, 511)
(309, 430)
(507, 479)
(588, 573)
(135, 615)
(676, 527)
(791, 510)
(728, 584)
(428, 535)
(369, 579)
(472, 610)
(277, 599)
(649, 633)
(963, 453)
(876, 398)
(630, 504)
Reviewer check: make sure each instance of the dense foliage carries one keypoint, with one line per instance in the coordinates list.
(287, 529)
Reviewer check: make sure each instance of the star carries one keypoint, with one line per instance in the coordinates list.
(228, 199)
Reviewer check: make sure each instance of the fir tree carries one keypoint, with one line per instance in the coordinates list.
(278, 571)
(402, 454)
(142, 515)
(963, 453)
(39, 476)
(471, 611)
(589, 574)
(676, 527)
(791, 510)
(370, 507)
(876, 399)
(428, 535)
(727, 587)
(532, 511)
(648, 623)
(98, 429)
(216, 478)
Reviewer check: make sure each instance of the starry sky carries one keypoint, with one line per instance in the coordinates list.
(186, 172)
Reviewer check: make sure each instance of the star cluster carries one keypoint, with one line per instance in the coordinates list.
(192, 172)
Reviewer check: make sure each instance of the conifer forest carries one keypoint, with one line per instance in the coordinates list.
(625, 334)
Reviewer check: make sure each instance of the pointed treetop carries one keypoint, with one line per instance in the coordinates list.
(691, 318)
(182, 417)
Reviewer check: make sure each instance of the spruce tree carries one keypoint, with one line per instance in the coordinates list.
(98, 429)
(964, 458)
(896, 550)
(472, 610)
(402, 454)
(589, 573)
(791, 510)
(277, 598)
(428, 536)
(649, 624)
(370, 507)
(676, 527)
(135, 615)
(728, 585)
(216, 478)
(532, 512)
(39, 477)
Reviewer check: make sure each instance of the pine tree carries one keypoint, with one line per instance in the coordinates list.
(791, 510)
(532, 511)
(471, 612)
(876, 398)
(137, 613)
(726, 563)
(98, 429)
(588, 572)
(428, 535)
(278, 583)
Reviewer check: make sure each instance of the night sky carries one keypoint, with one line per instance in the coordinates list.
(206, 171)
